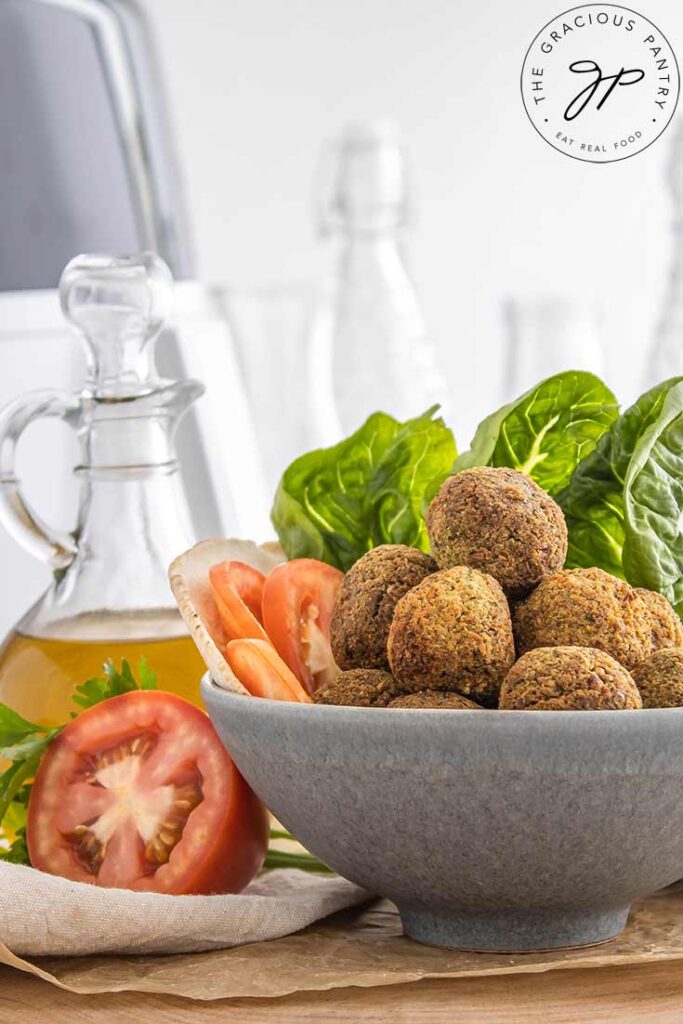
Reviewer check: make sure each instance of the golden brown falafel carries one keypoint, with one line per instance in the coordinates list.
(568, 679)
(585, 608)
(453, 632)
(665, 626)
(501, 522)
(660, 678)
(366, 601)
(435, 699)
(359, 687)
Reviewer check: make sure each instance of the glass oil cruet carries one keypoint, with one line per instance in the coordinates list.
(109, 597)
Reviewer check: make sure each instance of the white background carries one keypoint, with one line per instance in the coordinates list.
(258, 85)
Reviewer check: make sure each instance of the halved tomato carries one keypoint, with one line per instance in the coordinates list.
(138, 792)
(238, 591)
(298, 598)
(262, 672)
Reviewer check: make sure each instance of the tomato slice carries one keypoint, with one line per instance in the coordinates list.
(238, 591)
(138, 792)
(261, 671)
(298, 599)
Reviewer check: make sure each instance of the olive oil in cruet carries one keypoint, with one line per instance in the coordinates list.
(109, 596)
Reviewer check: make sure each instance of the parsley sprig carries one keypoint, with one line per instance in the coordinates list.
(296, 858)
(114, 683)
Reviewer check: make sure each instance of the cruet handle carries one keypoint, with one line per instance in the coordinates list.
(30, 531)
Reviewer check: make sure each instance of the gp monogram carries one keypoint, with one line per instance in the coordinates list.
(600, 83)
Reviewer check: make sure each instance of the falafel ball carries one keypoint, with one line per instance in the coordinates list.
(665, 626)
(435, 699)
(660, 678)
(568, 679)
(585, 608)
(501, 522)
(453, 632)
(360, 688)
(366, 601)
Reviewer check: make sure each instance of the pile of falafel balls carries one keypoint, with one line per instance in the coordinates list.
(492, 620)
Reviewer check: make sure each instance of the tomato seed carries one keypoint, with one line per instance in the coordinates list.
(87, 847)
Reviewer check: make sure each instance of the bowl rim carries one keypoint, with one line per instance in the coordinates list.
(347, 711)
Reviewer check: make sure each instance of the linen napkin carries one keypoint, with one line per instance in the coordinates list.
(43, 915)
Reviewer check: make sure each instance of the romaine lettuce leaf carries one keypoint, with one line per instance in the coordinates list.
(547, 431)
(336, 503)
(653, 504)
(593, 503)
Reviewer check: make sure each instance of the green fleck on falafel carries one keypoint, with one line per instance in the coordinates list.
(568, 679)
(453, 632)
(660, 679)
(501, 522)
(366, 601)
(585, 608)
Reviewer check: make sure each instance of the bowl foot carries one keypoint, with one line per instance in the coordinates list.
(513, 932)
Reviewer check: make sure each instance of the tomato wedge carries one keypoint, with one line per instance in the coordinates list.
(298, 599)
(238, 590)
(138, 792)
(262, 672)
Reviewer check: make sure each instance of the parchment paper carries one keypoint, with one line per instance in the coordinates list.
(358, 947)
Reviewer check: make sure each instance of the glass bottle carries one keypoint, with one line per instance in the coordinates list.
(381, 357)
(109, 596)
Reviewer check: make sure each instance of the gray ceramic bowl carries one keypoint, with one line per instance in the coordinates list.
(498, 830)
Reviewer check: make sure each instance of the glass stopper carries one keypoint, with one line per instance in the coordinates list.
(118, 304)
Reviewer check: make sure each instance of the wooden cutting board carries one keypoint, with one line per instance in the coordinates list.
(614, 995)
